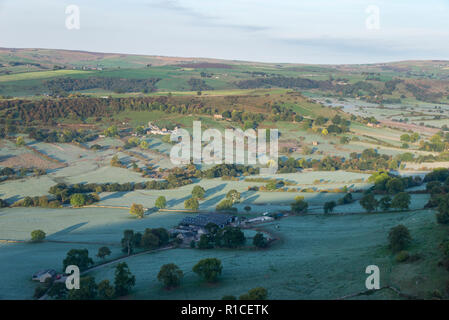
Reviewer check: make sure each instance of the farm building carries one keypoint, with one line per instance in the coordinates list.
(202, 220)
(43, 275)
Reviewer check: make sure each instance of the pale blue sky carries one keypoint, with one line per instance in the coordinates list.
(312, 31)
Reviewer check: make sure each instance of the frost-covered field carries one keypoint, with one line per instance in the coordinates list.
(319, 257)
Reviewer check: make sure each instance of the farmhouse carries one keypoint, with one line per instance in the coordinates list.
(202, 220)
(43, 275)
(153, 129)
(192, 228)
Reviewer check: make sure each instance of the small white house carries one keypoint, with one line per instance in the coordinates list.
(43, 275)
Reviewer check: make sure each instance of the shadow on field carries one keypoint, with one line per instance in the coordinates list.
(66, 230)
(246, 194)
(13, 199)
(213, 201)
(34, 144)
(214, 190)
(175, 202)
(251, 199)
(154, 145)
(114, 195)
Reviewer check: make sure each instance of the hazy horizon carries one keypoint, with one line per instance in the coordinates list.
(318, 32)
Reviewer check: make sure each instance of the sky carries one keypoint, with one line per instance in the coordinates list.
(296, 31)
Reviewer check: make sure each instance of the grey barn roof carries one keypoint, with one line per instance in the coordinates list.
(203, 219)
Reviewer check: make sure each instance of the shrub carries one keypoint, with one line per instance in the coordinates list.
(233, 195)
(369, 203)
(401, 201)
(402, 256)
(346, 199)
(399, 238)
(105, 290)
(198, 192)
(443, 209)
(258, 293)
(260, 241)
(137, 210)
(103, 252)
(77, 200)
(161, 202)
(37, 235)
(124, 279)
(39, 292)
(87, 290)
(299, 206)
(329, 206)
(224, 205)
(191, 204)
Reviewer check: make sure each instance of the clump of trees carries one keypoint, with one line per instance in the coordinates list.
(124, 280)
(209, 269)
(61, 136)
(198, 192)
(42, 202)
(89, 290)
(150, 239)
(369, 202)
(438, 187)
(137, 210)
(300, 205)
(443, 209)
(368, 160)
(229, 170)
(329, 206)
(170, 275)
(118, 85)
(78, 200)
(347, 198)
(161, 202)
(192, 204)
(78, 257)
(227, 237)
(387, 183)
(400, 201)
